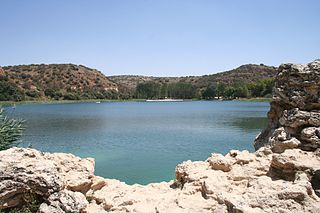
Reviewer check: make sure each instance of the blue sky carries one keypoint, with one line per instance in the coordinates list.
(159, 38)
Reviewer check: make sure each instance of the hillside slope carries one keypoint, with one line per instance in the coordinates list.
(75, 82)
(55, 81)
(249, 73)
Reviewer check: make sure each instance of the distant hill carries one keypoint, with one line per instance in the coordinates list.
(249, 73)
(76, 82)
(54, 81)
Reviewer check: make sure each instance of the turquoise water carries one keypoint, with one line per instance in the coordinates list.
(142, 142)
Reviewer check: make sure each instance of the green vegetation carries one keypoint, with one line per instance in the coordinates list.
(247, 81)
(10, 131)
(256, 99)
(9, 91)
(30, 204)
(54, 82)
(152, 90)
(69, 82)
(261, 88)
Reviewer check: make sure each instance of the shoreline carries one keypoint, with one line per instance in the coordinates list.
(9, 103)
(255, 99)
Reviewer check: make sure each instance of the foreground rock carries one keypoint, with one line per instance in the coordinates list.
(30, 171)
(283, 175)
(238, 182)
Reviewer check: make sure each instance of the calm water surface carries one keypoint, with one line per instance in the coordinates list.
(142, 142)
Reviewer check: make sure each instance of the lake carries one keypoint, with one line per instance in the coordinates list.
(142, 142)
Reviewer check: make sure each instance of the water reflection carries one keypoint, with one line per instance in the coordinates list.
(250, 123)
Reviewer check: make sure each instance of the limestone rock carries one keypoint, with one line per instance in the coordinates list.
(281, 140)
(288, 163)
(249, 185)
(296, 118)
(295, 105)
(64, 201)
(93, 208)
(28, 170)
(218, 162)
(310, 137)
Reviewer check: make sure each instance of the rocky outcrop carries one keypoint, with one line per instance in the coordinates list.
(283, 175)
(48, 175)
(294, 116)
(238, 182)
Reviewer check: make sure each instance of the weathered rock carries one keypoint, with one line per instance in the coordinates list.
(28, 170)
(295, 105)
(64, 201)
(296, 118)
(93, 208)
(218, 162)
(315, 182)
(247, 186)
(281, 140)
(310, 137)
(288, 163)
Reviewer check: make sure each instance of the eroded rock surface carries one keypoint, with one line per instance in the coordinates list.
(238, 182)
(30, 171)
(283, 175)
(295, 106)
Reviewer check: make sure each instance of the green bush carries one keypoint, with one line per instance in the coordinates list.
(10, 131)
(9, 91)
(30, 203)
(33, 93)
(71, 96)
(50, 92)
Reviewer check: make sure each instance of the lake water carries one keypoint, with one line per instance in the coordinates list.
(142, 142)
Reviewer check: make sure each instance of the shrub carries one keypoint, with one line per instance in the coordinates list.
(10, 131)
(10, 92)
(50, 92)
(33, 93)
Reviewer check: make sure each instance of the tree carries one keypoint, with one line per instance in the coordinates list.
(50, 92)
(210, 92)
(9, 91)
(10, 131)
(164, 91)
(241, 91)
(230, 92)
(148, 90)
(181, 90)
(220, 89)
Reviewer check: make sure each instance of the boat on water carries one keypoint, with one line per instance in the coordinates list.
(98, 102)
(164, 100)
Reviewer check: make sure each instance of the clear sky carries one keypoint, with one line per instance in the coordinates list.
(159, 37)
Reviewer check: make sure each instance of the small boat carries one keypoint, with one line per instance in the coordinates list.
(98, 102)
(164, 100)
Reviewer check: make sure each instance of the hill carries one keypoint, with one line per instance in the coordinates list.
(54, 81)
(244, 75)
(77, 82)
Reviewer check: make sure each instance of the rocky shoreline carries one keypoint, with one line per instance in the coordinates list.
(283, 175)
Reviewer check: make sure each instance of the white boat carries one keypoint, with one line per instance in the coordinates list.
(164, 100)
(98, 102)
